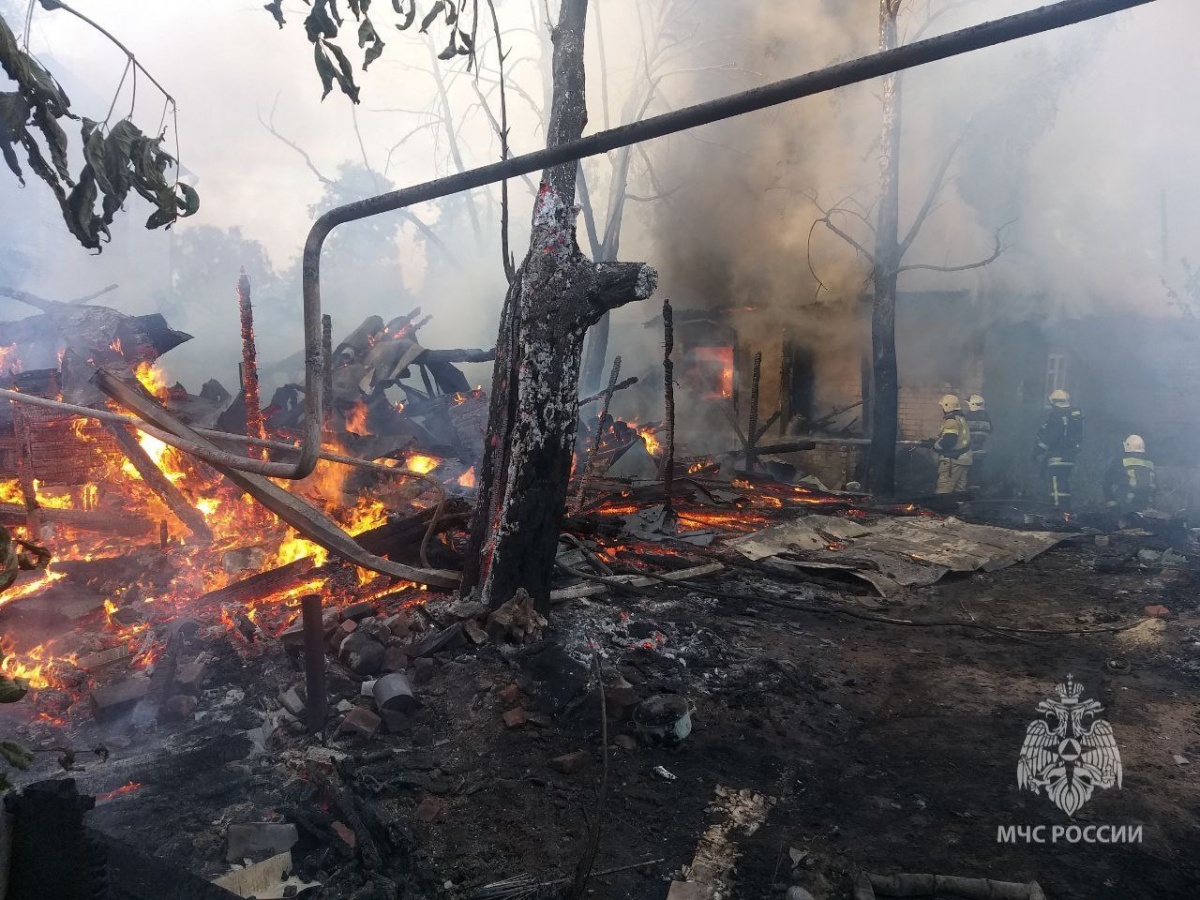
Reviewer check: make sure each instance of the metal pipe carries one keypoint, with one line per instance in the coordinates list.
(668, 467)
(314, 661)
(216, 457)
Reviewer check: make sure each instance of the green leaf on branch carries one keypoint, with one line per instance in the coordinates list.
(345, 73)
(324, 69)
(275, 8)
(410, 14)
(190, 202)
(431, 16)
(319, 24)
(368, 35)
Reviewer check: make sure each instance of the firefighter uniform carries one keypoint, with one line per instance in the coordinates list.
(1058, 444)
(1131, 484)
(953, 446)
(980, 424)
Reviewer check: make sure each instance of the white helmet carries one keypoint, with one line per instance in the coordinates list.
(1135, 443)
(1060, 398)
(975, 403)
(950, 403)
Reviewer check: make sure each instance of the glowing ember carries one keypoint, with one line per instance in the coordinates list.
(467, 478)
(127, 788)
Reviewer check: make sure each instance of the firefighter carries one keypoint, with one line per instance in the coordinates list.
(1058, 443)
(1130, 485)
(953, 448)
(16, 555)
(980, 424)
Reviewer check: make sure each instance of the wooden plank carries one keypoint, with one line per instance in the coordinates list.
(25, 476)
(82, 520)
(154, 478)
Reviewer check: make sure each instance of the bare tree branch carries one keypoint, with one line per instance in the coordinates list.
(407, 214)
(387, 163)
(935, 187)
(510, 265)
(270, 126)
(589, 213)
(847, 238)
(978, 264)
(826, 219)
(468, 197)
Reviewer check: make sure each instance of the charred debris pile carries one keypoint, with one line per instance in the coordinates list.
(165, 639)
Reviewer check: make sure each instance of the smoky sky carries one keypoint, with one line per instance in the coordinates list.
(1079, 141)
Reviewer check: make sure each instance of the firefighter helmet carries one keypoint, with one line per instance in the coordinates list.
(1060, 398)
(1135, 443)
(975, 403)
(950, 403)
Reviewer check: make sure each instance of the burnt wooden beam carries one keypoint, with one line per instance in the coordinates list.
(255, 427)
(160, 484)
(668, 468)
(261, 584)
(33, 516)
(81, 520)
(756, 380)
(620, 386)
(590, 463)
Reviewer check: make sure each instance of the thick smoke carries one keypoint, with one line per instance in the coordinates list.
(1067, 143)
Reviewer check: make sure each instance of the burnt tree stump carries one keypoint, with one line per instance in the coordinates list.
(556, 296)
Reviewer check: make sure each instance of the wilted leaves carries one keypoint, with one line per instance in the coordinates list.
(323, 22)
(115, 161)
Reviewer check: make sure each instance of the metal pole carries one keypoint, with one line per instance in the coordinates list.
(314, 661)
(669, 408)
(327, 353)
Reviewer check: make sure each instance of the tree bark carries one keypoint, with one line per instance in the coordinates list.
(885, 387)
(556, 295)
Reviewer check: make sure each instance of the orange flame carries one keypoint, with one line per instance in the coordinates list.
(720, 383)
(467, 478)
(152, 378)
(356, 420)
(653, 447)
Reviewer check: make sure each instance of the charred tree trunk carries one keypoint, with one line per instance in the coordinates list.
(885, 381)
(556, 296)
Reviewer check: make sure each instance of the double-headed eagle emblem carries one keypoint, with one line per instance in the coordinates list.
(1068, 751)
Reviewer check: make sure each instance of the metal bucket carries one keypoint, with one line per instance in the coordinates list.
(663, 719)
